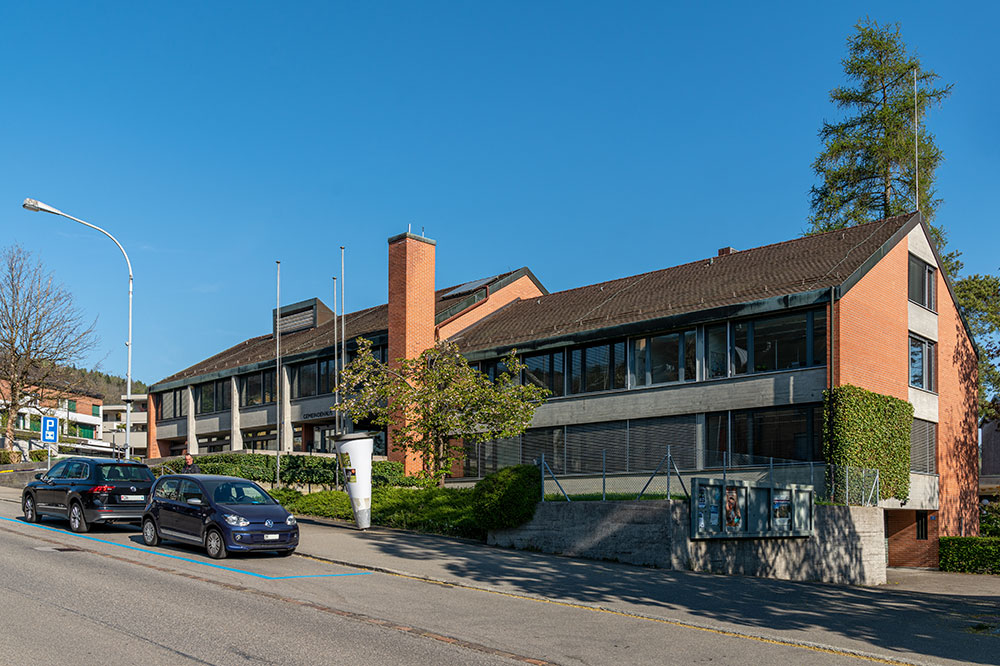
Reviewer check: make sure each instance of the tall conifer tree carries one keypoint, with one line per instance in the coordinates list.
(867, 171)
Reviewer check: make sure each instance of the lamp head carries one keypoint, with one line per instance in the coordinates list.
(38, 206)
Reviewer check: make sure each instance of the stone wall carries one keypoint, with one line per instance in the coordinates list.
(848, 545)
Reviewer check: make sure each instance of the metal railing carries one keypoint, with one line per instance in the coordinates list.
(833, 483)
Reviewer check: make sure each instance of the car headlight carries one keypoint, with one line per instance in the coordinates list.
(290, 520)
(236, 521)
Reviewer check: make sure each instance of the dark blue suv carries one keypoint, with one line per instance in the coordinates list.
(222, 513)
(88, 491)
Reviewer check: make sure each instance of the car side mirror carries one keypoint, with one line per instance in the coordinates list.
(196, 501)
(38, 477)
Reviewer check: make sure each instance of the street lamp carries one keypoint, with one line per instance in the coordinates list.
(38, 206)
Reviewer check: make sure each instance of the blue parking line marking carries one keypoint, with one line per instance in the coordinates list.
(183, 559)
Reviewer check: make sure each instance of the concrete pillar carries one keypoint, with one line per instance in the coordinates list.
(235, 434)
(192, 434)
(286, 409)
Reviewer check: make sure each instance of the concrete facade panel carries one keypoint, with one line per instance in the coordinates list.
(922, 321)
(923, 494)
(773, 389)
(919, 246)
(925, 404)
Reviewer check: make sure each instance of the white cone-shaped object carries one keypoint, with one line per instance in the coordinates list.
(355, 453)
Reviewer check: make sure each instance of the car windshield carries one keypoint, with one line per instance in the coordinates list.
(113, 472)
(240, 492)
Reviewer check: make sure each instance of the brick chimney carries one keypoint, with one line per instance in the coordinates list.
(723, 251)
(411, 311)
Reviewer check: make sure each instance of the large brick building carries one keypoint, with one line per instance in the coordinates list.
(725, 359)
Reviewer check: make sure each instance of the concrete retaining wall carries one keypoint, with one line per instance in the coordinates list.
(848, 545)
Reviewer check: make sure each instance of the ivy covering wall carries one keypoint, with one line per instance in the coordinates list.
(869, 430)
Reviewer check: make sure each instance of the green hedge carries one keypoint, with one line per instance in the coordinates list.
(872, 431)
(980, 555)
(507, 498)
(295, 469)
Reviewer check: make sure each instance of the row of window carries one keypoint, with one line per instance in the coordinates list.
(257, 388)
(738, 438)
(766, 344)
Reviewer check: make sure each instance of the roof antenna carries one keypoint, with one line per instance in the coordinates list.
(422, 232)
(916, 142)
(408, 227)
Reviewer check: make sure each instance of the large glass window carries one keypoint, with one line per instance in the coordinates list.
(250, 391)
(664, 358)
(757, 435)
(921, 283)
(779, 343)
(304, 380)
(921, 363)
(597, 368)
(546, 370)
(325, 376)
(715, 351)
(166, 404)
(204, 398)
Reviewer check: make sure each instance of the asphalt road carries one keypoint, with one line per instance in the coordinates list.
(106, 598)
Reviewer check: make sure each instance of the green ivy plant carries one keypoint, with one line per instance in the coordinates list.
(872, 431)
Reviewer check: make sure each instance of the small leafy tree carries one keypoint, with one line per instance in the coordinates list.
(989, 518)
(437, 404)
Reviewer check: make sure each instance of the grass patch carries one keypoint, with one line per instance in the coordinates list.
(446, 511)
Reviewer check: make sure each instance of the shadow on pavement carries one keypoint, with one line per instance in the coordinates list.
(892, 620)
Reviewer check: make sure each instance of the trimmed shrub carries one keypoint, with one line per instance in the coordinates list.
(286, 497)
(979, 555)
(989, 518)
(436, 510)
(507, 498)
(871, 431)
(327, 503)
(39, 455)
(5, 457)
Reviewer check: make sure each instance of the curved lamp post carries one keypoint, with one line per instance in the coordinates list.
(38, 206)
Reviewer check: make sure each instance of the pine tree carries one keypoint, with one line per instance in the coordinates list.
(866, 168)
(867, 172)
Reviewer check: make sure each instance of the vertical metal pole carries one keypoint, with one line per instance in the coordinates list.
(336, 370)
(128, 373)
(770, 468)
(847, 486)
(604, 475)
(343, 312)
(670, 467)
(541, 468)
(916, 143)
(725, 456)
(811, 482)
(277, 376)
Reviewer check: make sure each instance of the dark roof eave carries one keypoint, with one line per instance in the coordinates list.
(680, 320)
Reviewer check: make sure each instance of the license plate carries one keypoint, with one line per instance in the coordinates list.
(271, 537)
(132, 498)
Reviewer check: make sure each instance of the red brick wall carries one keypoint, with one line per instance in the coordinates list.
(957, 443)
(904, 548)
(522, 288)
(871, 345)
(411, 315)
(154, 447)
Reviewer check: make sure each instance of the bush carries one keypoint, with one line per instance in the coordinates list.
(39, 455)
(989, 518)
(507, 498)
(436, 510)
(286, 497)
(870, 431)
(980, 555)
(5, 457)
(327, 503)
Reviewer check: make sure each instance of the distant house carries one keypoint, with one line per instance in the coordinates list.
(79, 415)
(725, 359)
(113, 418)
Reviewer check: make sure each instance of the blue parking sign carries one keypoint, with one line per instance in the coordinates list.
(50, 429)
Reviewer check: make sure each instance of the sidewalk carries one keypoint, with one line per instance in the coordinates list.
(918, 616)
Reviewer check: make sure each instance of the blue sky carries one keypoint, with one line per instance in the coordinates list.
(587, 141)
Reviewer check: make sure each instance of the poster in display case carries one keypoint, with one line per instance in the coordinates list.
(732, 509)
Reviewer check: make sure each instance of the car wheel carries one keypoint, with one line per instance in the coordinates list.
(286, 553)
(149, 535)
(77, 521)
(215, 545)
(30, 515)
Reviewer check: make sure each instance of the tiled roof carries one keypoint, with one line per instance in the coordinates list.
(795, 266)
(261, 348)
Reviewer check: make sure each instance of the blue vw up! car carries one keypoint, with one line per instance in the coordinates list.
(221, 513)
